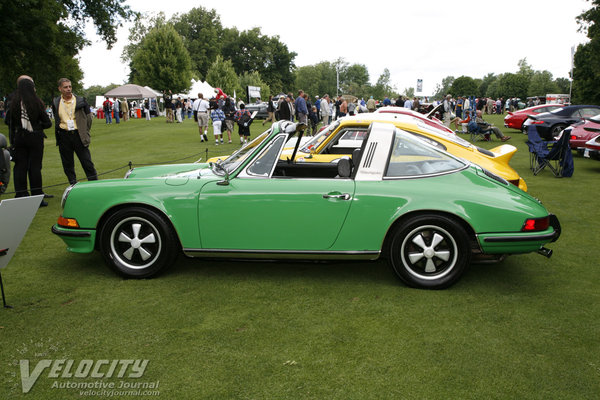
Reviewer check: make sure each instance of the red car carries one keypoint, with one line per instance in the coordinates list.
(514, 120)
(429, 119)
(583, 131)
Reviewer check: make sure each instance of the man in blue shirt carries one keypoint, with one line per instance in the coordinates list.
(387, 101)
(301, 109)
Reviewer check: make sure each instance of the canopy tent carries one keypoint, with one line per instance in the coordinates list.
(131, 91)
(201, 87)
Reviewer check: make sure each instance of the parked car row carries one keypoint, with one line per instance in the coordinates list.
(399, 194)
(551, 119)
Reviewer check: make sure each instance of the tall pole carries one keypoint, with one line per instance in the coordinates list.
(571, 80)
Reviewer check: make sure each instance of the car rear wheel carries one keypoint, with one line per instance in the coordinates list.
(556, 130)
(138, 243)
(430, 252)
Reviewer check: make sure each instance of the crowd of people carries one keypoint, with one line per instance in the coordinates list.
(27, 117)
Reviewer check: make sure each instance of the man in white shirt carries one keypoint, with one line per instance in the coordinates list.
(201, 108)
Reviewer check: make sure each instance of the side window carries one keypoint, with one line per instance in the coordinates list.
(410, 158)
(264, 163)
(589, 112)
(346, 141)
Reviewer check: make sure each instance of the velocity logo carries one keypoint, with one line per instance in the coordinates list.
(69, 369)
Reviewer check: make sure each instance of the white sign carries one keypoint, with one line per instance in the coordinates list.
(15, 217)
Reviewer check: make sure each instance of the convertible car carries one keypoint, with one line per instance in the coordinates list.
(343, 136)
(399, 197)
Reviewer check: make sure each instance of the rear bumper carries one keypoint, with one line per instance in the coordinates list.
(519, 242)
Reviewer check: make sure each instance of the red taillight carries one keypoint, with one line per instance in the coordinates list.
(536, 224)
(67, 222)
(537, 122)
(573, 137)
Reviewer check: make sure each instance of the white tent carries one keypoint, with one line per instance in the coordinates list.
(201, 87)
(131, 91)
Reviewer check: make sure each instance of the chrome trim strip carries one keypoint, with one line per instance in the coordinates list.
(58, 232)
(534, 238)
(284, 254)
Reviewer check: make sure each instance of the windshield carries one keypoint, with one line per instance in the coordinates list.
(237, 158)
(319, 138)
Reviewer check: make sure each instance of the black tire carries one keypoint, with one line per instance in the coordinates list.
(421, 263)
(138, 243)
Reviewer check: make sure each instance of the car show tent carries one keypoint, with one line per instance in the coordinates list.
(131, 91)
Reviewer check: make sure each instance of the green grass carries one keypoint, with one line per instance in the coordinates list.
(525, 328)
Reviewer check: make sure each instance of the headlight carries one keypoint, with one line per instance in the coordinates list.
(66, 194)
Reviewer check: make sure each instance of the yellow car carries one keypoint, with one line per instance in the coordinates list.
(341, 137)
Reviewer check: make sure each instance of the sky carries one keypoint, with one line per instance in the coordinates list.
(426, 40)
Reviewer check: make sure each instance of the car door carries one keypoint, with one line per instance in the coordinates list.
(257, 211)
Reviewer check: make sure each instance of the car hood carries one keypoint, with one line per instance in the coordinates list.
(170, 171)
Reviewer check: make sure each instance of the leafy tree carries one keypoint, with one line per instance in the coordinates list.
(384, 86)
(202, 33)
(254, 79)
(586, 71)
(512, 85)
(162, 61)
(463, 86)
(484, 84)
(541, 83)
(222, 74)
(563, 84)
(42, 38)
(409, 92)
(91, 92)
(252, 51)
(441, 90)
(316, 79)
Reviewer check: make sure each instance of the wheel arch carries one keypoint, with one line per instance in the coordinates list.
(400, 220)
(108, 213)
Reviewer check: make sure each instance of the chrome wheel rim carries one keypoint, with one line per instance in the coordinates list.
(429, 252)
(136, 243)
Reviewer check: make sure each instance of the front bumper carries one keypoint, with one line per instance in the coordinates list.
(77, 240)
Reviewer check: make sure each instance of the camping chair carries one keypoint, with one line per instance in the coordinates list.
(477, 132)
(559, 159)
(538, 148)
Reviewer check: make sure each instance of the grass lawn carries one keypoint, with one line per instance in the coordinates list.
(526, 328)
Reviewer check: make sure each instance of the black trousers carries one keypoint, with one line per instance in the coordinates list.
(69, 142)
(29, 151)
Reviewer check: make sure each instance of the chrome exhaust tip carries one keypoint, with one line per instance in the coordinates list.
(545, 252)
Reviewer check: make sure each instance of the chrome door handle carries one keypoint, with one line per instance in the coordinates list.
(344, 196)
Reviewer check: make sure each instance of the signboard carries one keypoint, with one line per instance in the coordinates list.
(419, 85)
(16, 216)
(253, 92)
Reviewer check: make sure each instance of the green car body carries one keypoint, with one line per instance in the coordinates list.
(255, 205)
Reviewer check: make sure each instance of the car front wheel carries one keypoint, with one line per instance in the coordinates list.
(138, 243)
(430, 252)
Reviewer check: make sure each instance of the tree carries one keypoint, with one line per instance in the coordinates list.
(541, 83)
(316, 79)
(463, 86)
(441, 90)
(409, 92)
(91, 92)
(254, 79)
(563, 84)
(221, 74)
(202, 33)
(162, 61)
(512, 85)
(52, 31)
(586, 71)
(484, 84)
(252, 51)
(384, 86)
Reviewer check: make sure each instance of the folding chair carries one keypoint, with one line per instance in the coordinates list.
(477, 133)
(538, 148)
(559, 159)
